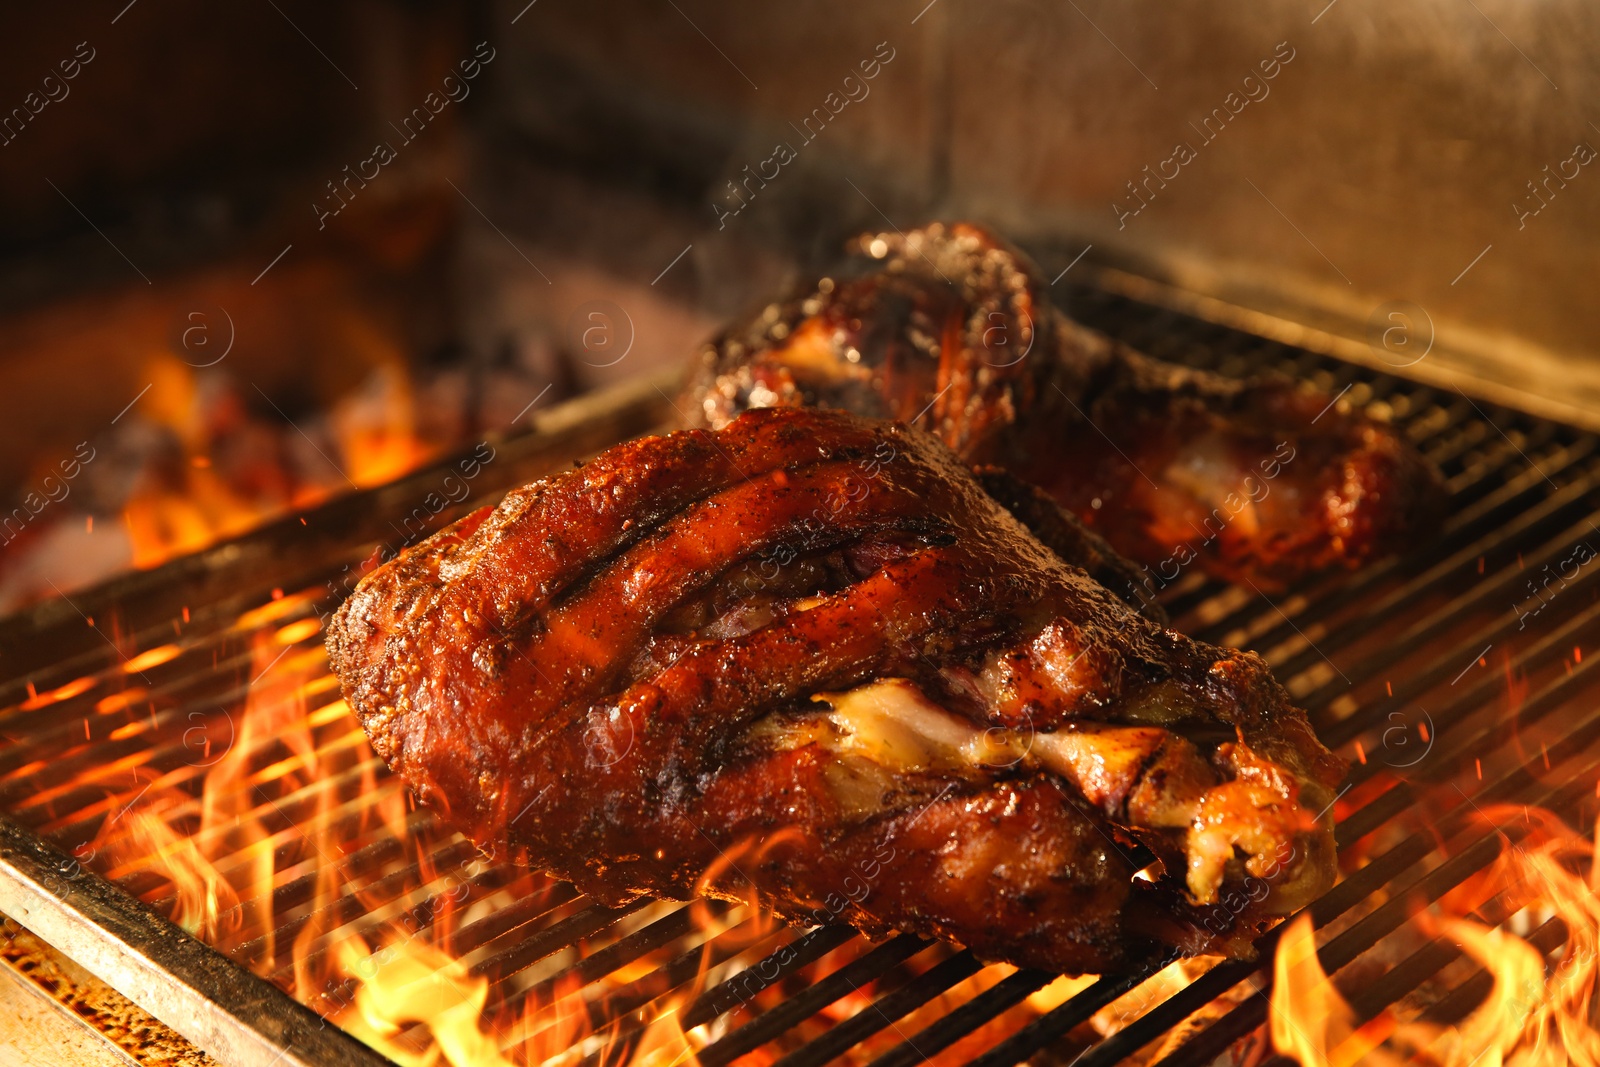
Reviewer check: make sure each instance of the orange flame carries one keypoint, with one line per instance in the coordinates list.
(1310, 1020)
(246, 826)
(185, 502)
(1529, 1019)
(258, 862)
(417, 983)
(203, 900)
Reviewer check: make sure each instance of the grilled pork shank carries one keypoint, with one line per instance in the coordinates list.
(809, 655)
(951, 330)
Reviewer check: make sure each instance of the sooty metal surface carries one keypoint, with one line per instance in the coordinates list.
(176, 734)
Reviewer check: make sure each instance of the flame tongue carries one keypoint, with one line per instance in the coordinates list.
(1529, 1019)
(1310, 1019)
(203, 901)
(409, 982)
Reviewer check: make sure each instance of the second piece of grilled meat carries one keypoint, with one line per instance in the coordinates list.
(952, 330)
(810, 653)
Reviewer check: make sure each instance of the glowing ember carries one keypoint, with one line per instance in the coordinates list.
(206, 456)
(182, 506)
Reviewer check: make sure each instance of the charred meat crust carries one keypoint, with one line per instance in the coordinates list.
(1066, 535)
(1264, 480)
(810, 651)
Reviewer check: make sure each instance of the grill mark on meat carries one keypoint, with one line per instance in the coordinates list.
(620, 605)
(618, 505)
(636, 531)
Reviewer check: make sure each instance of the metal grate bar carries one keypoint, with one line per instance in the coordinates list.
(983, 1008)
(90, 761)
(1546, 939)
(62, 719)
(520, 916)
(1387, 989)
(1055, 1024)
(744, 986)
(597, 965)
(1440, 623)
(847, 979)
(1354, 889)
(884, 1011)
(360, 911)
(1494, 588)
(564, 934)
(1455, 1005)
(536, 942)
(1483, 518)
(1403, 900)
(1474, 501)
(226, 1009)
(1479, 696)
(245, 570)
(620, 1008)
(346, 913)
(617, 1028)
(1203, 1047)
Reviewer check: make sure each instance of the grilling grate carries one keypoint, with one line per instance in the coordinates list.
(1443, 677)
